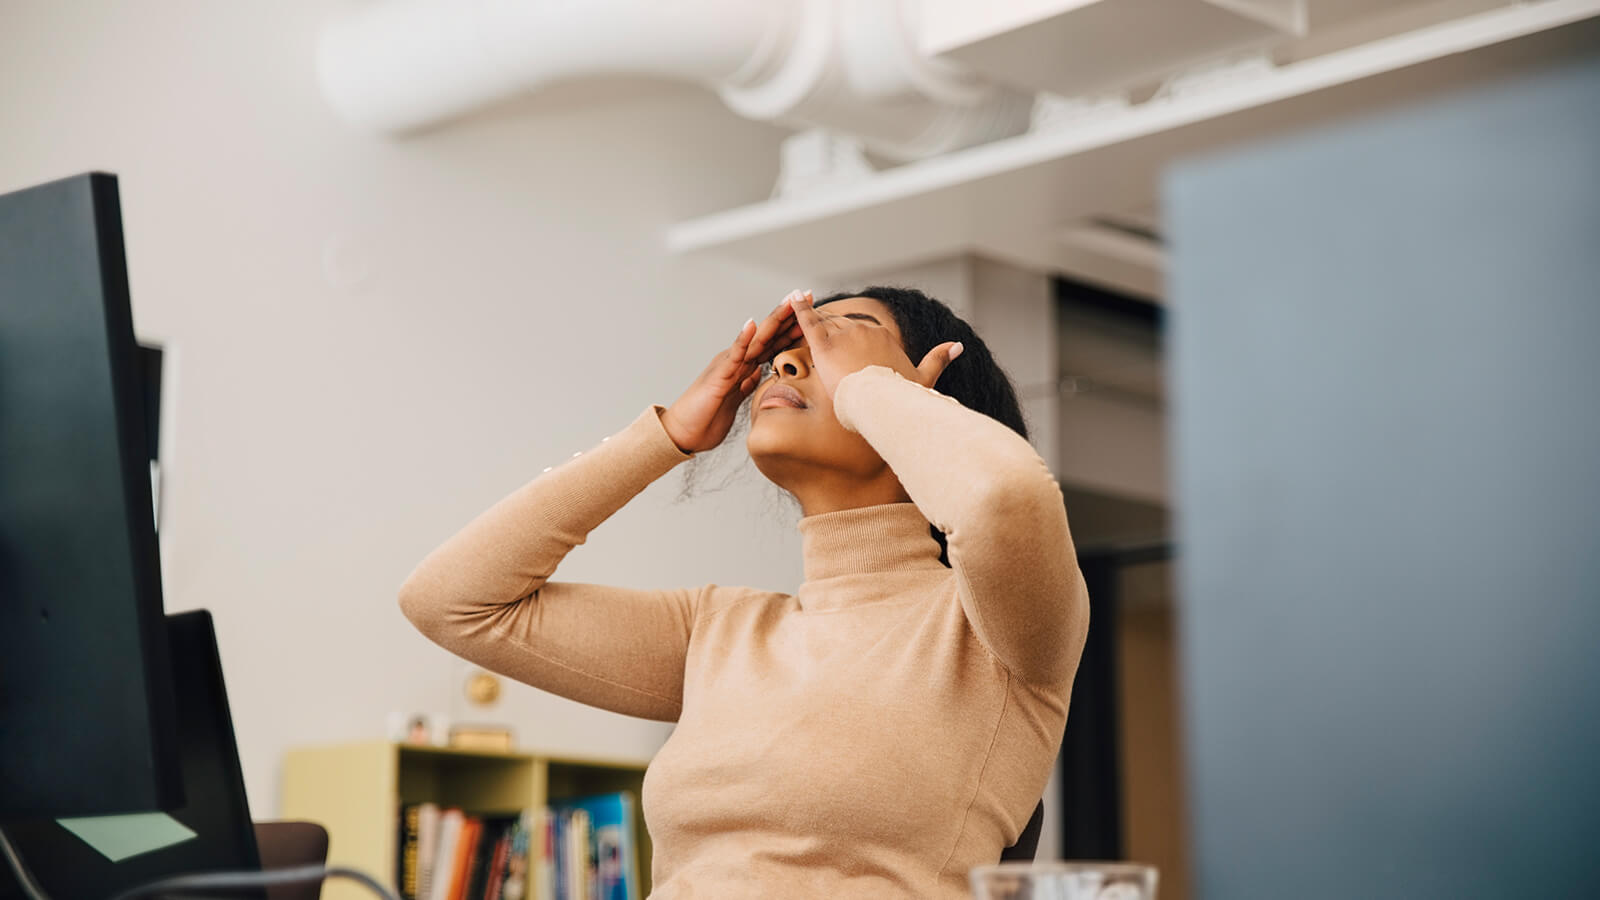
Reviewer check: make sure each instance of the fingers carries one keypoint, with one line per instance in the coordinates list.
(778, 332)
(789, 337)
(937, 360)
(732, 367)
(811, 323)
(745, 349)
(742, 339)
(771, 327)
(736, 351)
(779, 342)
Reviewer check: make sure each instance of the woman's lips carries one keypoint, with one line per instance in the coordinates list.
(782, 395)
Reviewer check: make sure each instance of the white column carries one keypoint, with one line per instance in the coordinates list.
(1015, 313)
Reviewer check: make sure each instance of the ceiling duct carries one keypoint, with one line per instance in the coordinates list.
(848, 66)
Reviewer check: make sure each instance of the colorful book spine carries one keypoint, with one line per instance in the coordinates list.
(471, 832)
(406, 876)
(427, 847)
(487, 870)
(519, 883)
(544, 868)
(558, 854)
(611, 853)
(537, 854)
(497, 866)
(451, 823)
(578, 854)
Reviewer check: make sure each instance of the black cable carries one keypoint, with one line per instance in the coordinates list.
(199, 882)
(24, 877)
(214, 880)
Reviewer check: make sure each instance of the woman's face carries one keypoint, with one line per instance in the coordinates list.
(794, 437)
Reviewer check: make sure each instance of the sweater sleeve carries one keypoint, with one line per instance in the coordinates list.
(486, 596)
(1000, 508)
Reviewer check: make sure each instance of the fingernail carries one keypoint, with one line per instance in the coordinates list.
(747, 324)
(955, 350)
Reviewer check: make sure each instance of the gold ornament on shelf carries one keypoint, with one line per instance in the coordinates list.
(483, 688)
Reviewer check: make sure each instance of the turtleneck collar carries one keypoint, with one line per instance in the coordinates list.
(889, 537)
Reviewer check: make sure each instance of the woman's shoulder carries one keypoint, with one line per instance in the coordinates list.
(725, 601)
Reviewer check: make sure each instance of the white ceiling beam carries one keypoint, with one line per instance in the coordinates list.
(1006, 198)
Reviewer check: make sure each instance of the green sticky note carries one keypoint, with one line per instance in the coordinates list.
(119, 837)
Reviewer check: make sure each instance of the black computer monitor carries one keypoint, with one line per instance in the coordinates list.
(86, 696)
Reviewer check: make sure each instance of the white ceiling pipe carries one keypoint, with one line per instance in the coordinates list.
(402, 65)
(850, 66)
(854, 67)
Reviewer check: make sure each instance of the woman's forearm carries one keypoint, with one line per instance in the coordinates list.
(511, 549)
(999, 506)
(486, 595)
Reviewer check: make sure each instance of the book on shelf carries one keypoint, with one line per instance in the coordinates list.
(427, 851)
(539, 839)
(594, 848)
(579, 849)
(494, 879)
(447, 854)
(483, 869)
(409, 844)
(442, 878)
(466, 855)
(519, 881)
(578, 857)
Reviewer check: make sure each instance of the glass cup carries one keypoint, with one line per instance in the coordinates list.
(1064, 881)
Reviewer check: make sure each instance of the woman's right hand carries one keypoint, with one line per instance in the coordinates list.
(700, 419)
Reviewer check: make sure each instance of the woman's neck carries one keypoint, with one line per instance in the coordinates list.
(825, 495)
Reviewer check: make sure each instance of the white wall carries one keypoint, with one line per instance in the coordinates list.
(375, 340)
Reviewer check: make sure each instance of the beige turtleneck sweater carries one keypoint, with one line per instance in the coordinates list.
(876, 733)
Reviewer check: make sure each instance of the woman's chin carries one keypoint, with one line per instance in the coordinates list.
(776, 431)
(765, 435)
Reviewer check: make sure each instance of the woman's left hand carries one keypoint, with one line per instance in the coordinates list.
(841, 345)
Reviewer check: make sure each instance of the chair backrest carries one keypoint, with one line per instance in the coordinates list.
(285, 845)
(1027, 845)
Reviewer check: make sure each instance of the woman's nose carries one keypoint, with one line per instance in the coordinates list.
(791, 363)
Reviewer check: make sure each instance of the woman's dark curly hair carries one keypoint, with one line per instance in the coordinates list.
(974, 379)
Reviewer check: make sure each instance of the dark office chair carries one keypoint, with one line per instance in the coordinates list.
(1027, 845)
(285, 845)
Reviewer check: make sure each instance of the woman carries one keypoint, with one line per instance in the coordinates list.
(893, 722)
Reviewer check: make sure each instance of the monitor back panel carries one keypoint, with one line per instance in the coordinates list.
(1386, 378)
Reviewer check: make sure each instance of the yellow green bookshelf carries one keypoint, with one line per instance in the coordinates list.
(356, 791)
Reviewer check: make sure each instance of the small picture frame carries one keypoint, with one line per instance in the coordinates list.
(418, 728)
